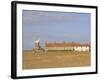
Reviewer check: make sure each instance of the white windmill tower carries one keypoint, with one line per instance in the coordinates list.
(37, 44)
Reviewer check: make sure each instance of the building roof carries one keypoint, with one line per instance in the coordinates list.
(64, 44)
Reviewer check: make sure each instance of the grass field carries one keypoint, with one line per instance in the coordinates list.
(55, 59)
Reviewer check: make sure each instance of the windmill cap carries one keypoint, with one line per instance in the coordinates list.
(37, 41)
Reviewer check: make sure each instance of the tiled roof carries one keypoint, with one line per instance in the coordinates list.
(64, 44)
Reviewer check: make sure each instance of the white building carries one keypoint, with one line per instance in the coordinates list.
(69, 46)
(82, 48)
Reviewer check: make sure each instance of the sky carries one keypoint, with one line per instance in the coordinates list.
(51, 26)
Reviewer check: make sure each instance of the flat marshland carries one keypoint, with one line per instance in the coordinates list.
(55, 59)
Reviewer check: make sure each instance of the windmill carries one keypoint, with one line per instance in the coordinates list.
(38, 48)
(37, 44)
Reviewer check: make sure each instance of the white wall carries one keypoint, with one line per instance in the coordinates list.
(5, 30)
(83, 48)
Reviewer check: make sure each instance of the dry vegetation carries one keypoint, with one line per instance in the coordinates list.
(55, 59)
